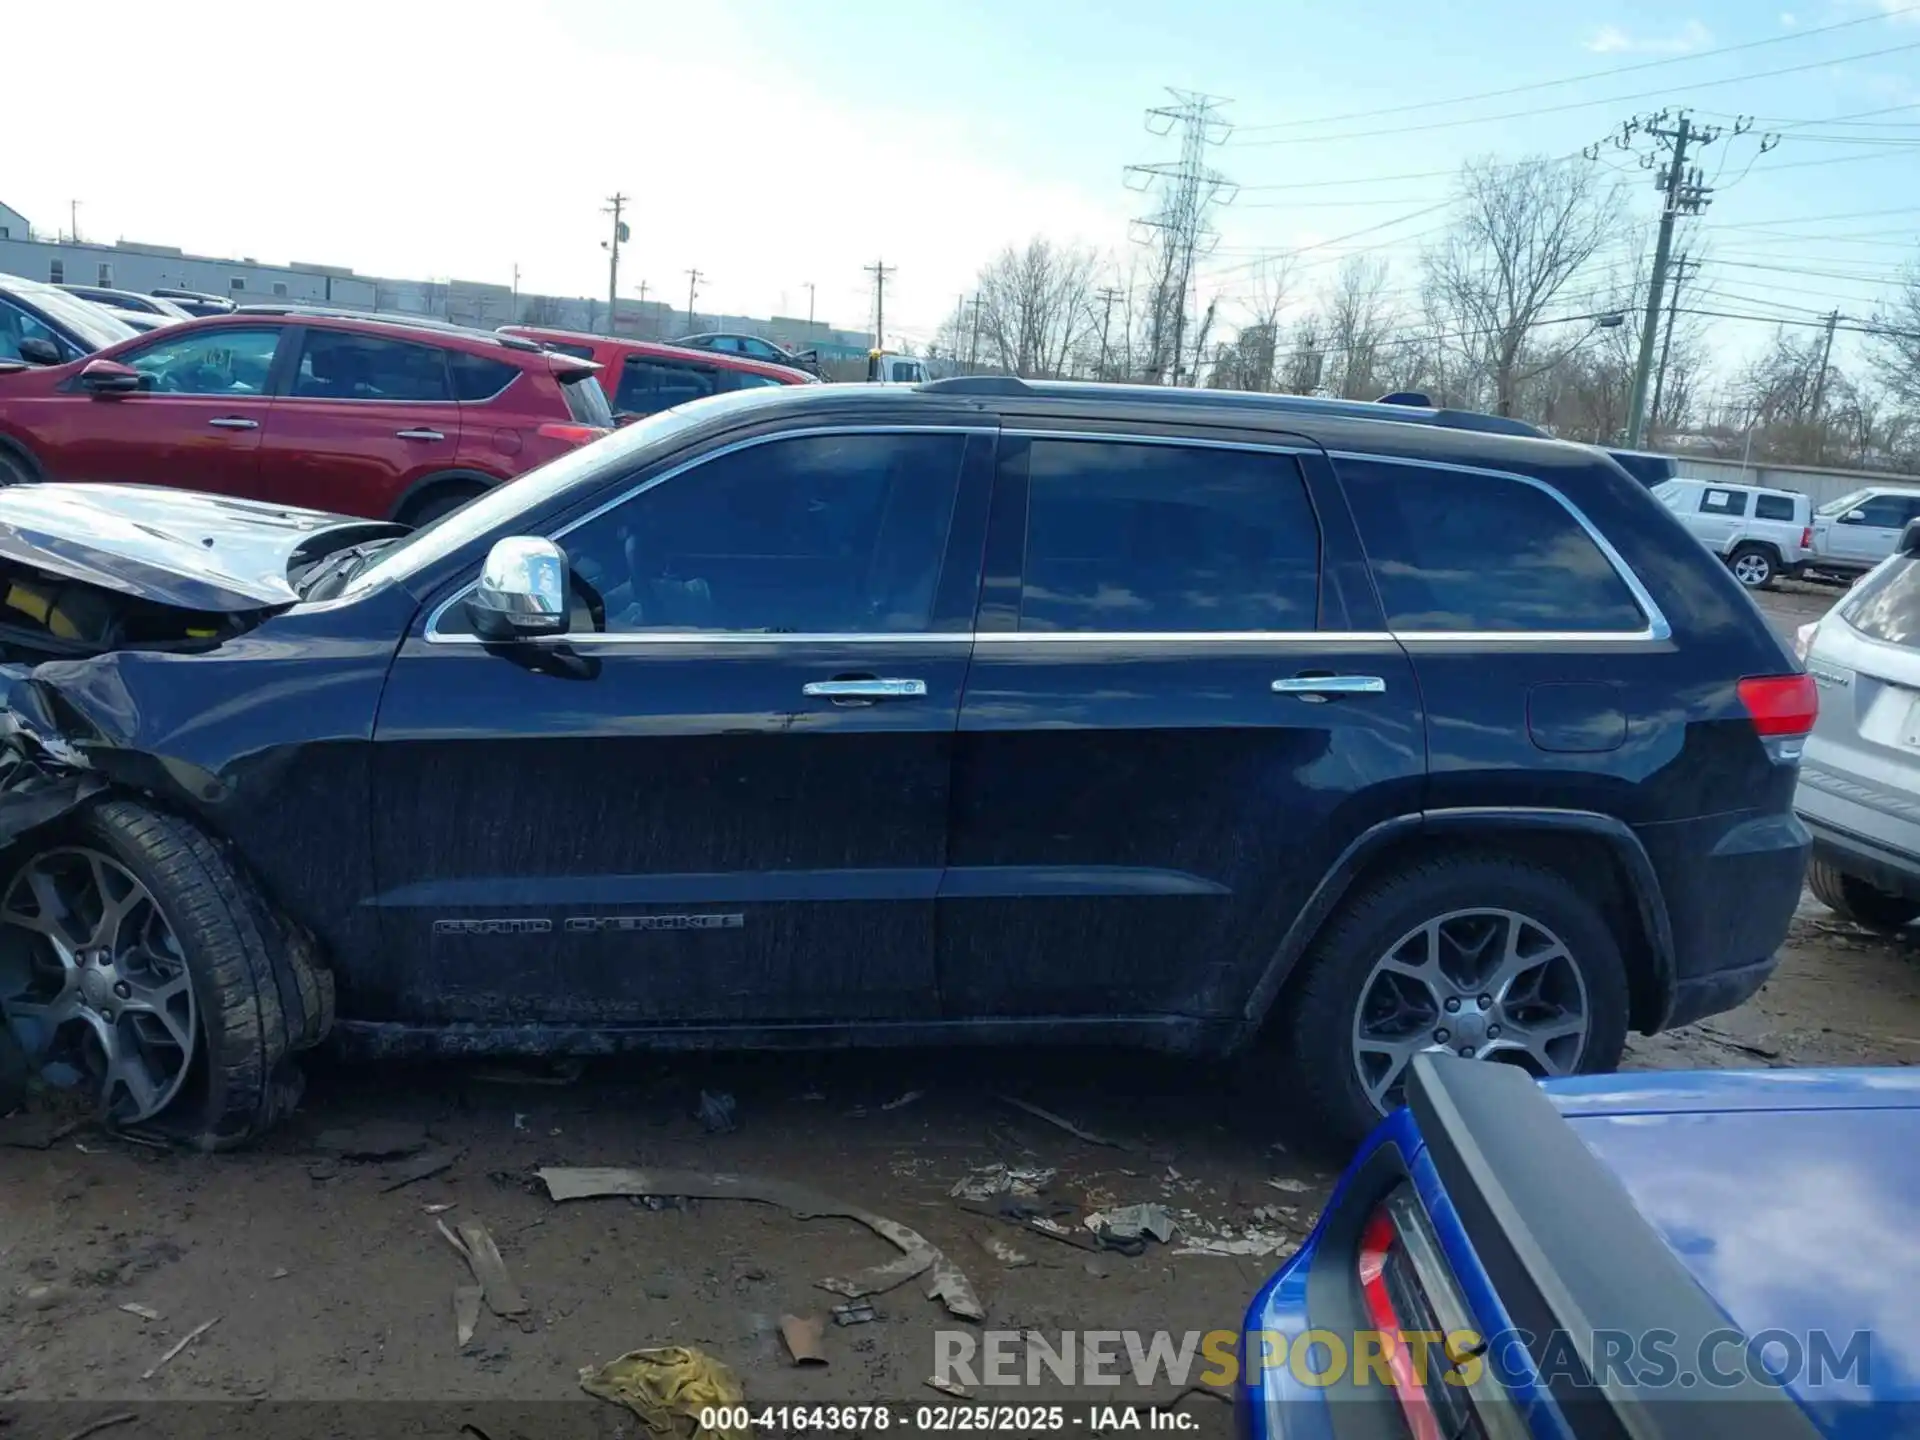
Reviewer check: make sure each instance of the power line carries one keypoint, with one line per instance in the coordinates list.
(1588, 75)
(1587, 104)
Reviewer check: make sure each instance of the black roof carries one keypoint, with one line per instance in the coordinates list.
(406, 322)
(1233, 400)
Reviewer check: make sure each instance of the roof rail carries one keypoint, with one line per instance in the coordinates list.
(1405, 407)
(381, 317)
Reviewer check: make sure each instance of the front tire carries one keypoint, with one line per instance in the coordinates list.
(1482, 955)
(1753, 566)
(435, 503)
(15, 470)
(1852, 898)
(134, 951)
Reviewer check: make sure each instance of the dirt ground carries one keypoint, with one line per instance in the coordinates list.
(328, 1286)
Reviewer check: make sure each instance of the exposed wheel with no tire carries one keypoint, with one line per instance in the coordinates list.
(1753, 566)
(1477, 955)
(1852, 898)
(136, 959)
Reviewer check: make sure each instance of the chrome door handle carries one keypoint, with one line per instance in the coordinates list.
(878, 689)
(234, 422)
(418, 435)
(1319, 687)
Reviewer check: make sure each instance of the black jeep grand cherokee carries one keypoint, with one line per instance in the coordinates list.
(983, 711)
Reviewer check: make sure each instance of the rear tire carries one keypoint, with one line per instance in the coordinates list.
(443, 500)
(1333, 1014)
(14, 469)
(1852, 898)
(1753, 566)
(260, 993)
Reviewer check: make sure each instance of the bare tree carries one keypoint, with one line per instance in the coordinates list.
(1306, 359)
(1357, 319)
(1036, 307)
(1895, 351)
(1524, 233)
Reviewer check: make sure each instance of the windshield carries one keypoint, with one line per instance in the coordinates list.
(1843, 504)
(96, 326)
(534, 490)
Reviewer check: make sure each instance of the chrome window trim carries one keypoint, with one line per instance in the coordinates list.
(1656, 630)
(694, 637)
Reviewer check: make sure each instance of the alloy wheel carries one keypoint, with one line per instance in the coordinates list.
(1752, 570)
(1488, 984)
(102, 983)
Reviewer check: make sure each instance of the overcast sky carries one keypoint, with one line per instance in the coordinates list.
(772, 144)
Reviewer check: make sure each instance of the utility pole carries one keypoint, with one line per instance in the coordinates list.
(973, 350)
(1820, 388)
(73, 221)
(1107, 295)
(1683, 271)
(615, 204)
(880, 271)
(809, 302)
(694, 277)
(643, 292)
(514, 305)
(1673, 135)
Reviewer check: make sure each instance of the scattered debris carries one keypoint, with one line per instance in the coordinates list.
(565, 1071)
(717, 1112)
(439, 1209)
(429, 1162)
(145, 1312)
(806, 1338)
(320, 1171)
(182, 1343)
(35, 1131)
(1249, 1242)
(1005, 1253)
(1062, 1123)
(475, 1243)
(1043, 1218)
(990, 1181)
(46, 1297)
(466, 1313)
(916, 1258)
(668, 1387)
(1744, 1047)
(1290, 1185)
(947, 1387)
(280, 1273)
(1128, 1223)
(519, 1120)
(105, 1422)
(855, 1312)
(905, 1100)
(374, 1140)
(1097, 1270)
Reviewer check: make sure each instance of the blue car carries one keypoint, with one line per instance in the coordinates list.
(1695, 1255)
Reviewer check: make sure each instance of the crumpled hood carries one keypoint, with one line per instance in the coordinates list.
(209, 553)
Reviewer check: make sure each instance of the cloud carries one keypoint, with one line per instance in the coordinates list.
(1612, 40)
(1788, 19)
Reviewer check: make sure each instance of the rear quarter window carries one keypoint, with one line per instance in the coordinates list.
(1456, 550)
(477, 378)
(1773, 507)
(1886, 605)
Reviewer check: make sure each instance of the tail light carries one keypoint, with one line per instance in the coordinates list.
(571, 434)
(1806, 538)
(1376, 1258)
(1783, 709)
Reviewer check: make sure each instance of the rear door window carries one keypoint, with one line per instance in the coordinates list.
(1454, 550)
(1170, 538)
(1723, 502)
(341, 365)
(1886, 605)
(650, 385)
(1773, 507)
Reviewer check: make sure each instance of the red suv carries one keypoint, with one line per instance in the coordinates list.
(385, 418)
(641, 376)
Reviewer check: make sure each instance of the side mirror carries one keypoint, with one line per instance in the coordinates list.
(109, 377)
(38, 350)
(1854, 517)
(522, 590)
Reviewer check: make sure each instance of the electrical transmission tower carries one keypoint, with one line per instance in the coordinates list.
(1189, 189)
(1664, 143)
